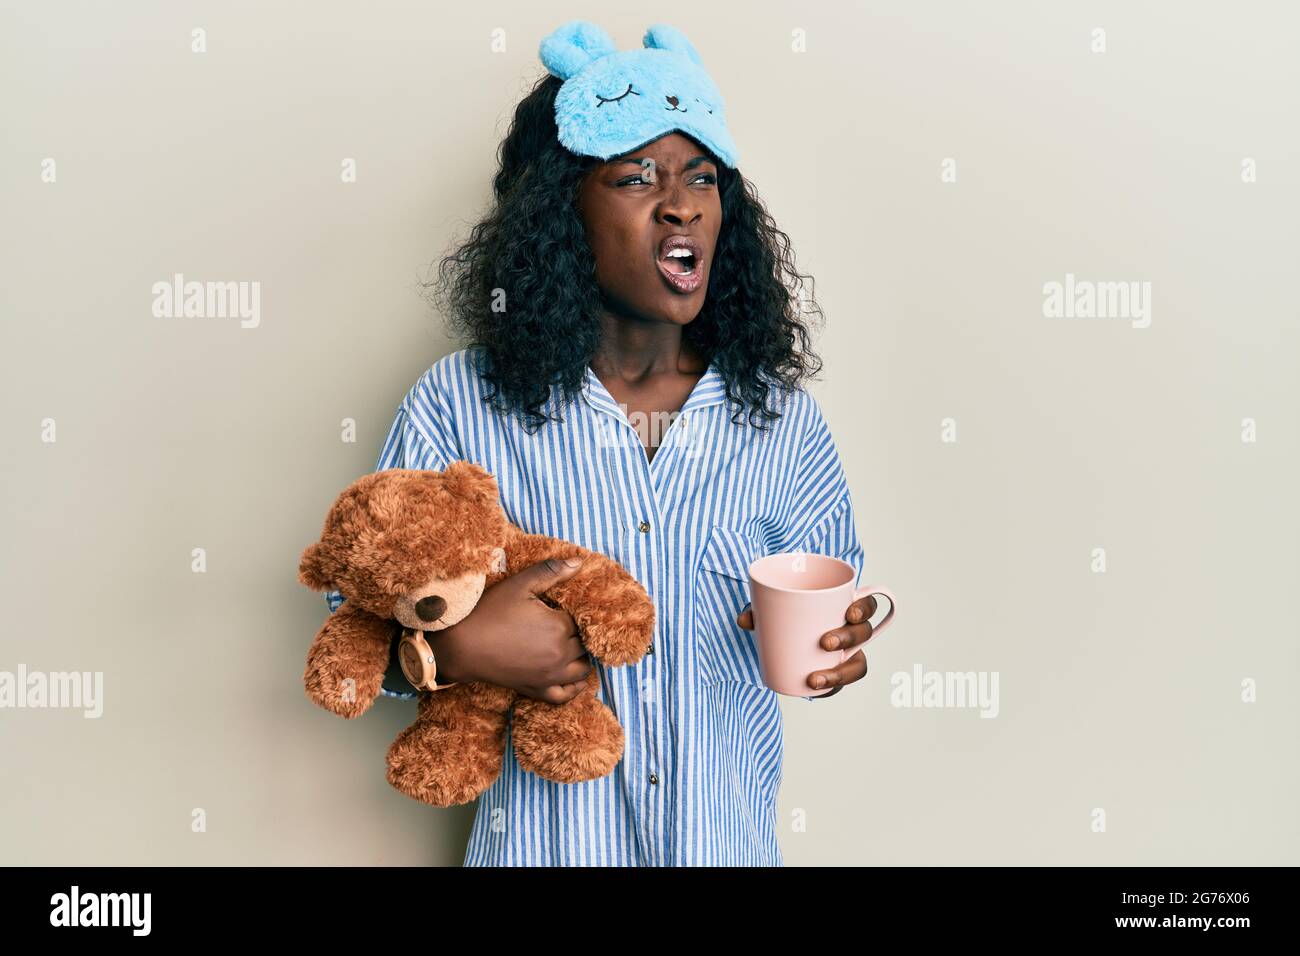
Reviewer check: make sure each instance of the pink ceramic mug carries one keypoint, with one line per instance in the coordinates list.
(795, 599)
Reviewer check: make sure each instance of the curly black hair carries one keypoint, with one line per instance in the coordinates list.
(528, 258)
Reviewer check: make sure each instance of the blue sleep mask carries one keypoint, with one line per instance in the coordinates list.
(613, 102)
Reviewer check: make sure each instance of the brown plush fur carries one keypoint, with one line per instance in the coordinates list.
(402, 544)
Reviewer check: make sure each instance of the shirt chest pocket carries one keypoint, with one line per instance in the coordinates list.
(725, 650)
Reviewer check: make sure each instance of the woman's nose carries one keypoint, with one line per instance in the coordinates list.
(679, 207)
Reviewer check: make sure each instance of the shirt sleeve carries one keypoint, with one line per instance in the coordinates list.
(422, 437)
(822, 514)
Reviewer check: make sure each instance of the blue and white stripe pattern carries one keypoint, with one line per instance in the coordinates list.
(698, 781)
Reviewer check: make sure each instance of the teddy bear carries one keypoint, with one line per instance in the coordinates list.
(416, 549)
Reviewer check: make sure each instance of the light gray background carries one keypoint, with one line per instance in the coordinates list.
(1119, 691)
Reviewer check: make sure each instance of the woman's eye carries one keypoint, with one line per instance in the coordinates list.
(706, 178)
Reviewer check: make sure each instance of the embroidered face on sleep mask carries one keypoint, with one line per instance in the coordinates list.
(613, 102)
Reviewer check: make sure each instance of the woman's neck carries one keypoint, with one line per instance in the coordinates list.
(650, 370)
(634, 352)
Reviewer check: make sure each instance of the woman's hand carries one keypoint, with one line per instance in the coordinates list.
(514, 639)
(855, 632)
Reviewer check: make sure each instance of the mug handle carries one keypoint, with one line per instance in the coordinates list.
(858, 595)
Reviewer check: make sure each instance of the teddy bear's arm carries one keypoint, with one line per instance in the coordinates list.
(348, 660)
(612, 610)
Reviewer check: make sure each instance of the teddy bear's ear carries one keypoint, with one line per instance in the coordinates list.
(571, 47)
(472, 480)
(661, 36)
(311, 569)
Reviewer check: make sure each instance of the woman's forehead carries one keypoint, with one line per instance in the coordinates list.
(669, 144)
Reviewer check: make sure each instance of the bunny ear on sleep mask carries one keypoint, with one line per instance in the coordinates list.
(612, 101)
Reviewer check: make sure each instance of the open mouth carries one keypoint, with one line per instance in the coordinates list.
(681, 263)
(683, 260)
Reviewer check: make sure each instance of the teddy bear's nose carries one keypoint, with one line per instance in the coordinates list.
(430, 608)
(673, 100)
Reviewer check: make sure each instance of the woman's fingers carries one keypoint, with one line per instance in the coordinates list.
(848, 636)
(569, 684)
(574, 672)
(851, 635)
(861, 610)
(854, 669)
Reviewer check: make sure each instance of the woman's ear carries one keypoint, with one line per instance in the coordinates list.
(311, 569)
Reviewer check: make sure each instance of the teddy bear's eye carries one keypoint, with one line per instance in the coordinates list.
(614, 99)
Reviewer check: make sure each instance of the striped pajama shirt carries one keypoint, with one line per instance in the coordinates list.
(698, 782)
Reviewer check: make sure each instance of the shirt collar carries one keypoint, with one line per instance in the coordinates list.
(709, 390)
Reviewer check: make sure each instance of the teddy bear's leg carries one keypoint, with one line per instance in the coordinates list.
(578, 740)
(347, 660)
(453, 751)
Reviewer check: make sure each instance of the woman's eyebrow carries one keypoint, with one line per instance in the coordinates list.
(690, 164)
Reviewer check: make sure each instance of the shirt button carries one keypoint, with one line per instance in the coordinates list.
(654, 778)
(651, 648)
(644, 526)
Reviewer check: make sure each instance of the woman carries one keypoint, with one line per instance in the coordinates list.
(632, 379)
